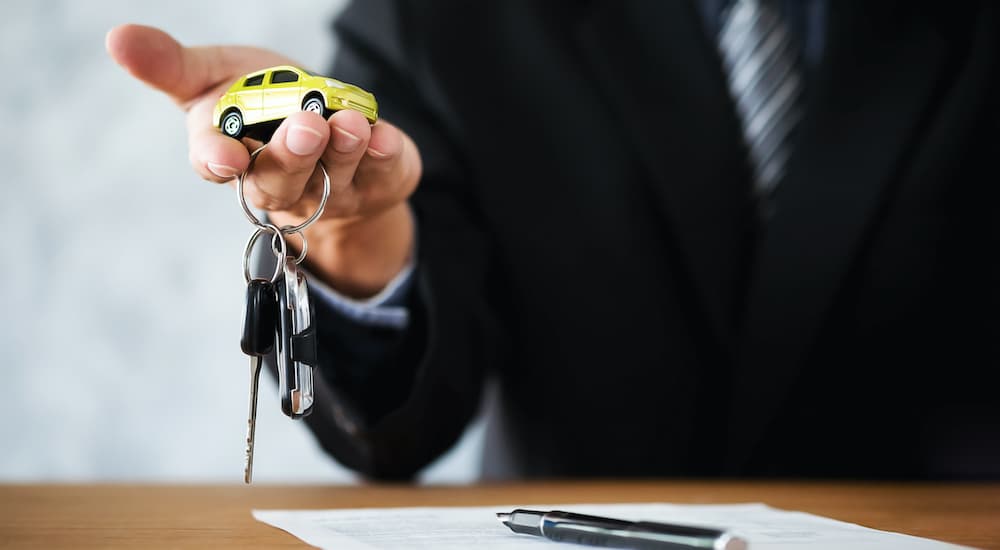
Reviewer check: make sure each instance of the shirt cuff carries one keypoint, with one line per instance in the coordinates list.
(387, 309)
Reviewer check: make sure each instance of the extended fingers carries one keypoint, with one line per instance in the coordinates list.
(370, 167)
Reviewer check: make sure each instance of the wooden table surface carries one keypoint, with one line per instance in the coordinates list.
(198, 516)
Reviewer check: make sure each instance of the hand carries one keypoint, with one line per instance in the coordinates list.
(366, 232)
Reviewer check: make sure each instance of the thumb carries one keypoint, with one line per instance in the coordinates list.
(155, 58)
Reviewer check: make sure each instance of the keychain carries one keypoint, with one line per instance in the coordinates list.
(278, 316)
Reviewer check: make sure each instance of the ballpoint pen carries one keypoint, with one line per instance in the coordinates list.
(616, 533)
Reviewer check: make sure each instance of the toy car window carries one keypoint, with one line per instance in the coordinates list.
(283, 76)
(254, 80)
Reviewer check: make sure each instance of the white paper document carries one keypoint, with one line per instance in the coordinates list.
(477, 528)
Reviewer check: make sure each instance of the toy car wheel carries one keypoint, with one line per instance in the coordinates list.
(314, 105)
(232, 124)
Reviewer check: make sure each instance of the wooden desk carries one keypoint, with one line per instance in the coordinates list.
(152, 516)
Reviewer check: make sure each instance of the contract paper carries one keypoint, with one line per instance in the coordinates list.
(477, 528)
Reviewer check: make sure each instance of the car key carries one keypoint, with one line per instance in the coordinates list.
(279, 316)
(259, 326)
(296, 342)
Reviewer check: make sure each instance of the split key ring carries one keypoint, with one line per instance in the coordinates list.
(284, 229)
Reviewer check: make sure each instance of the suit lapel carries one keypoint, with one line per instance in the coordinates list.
(868, 101)
(655, 66)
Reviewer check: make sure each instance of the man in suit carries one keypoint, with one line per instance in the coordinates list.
(586, 199)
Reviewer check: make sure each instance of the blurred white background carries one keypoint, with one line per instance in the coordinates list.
(119, 351)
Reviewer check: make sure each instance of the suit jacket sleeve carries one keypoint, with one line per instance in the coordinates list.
(391, 405)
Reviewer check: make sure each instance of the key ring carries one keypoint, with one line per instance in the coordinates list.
(290, 229)
(280, 252)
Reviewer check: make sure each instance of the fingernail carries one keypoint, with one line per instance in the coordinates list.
(344, 141)
(303, 140)
(376, 153)
(222, 170)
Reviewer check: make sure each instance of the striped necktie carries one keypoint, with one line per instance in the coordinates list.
(765, 82)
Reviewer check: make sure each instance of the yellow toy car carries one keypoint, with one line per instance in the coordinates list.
(272, 94)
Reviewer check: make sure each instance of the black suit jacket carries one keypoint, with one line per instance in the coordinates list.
(586, 233)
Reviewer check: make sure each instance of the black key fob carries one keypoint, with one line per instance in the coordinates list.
(260, 318)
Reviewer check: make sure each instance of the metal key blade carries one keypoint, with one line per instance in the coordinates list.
(259, 325)
(255, 362)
